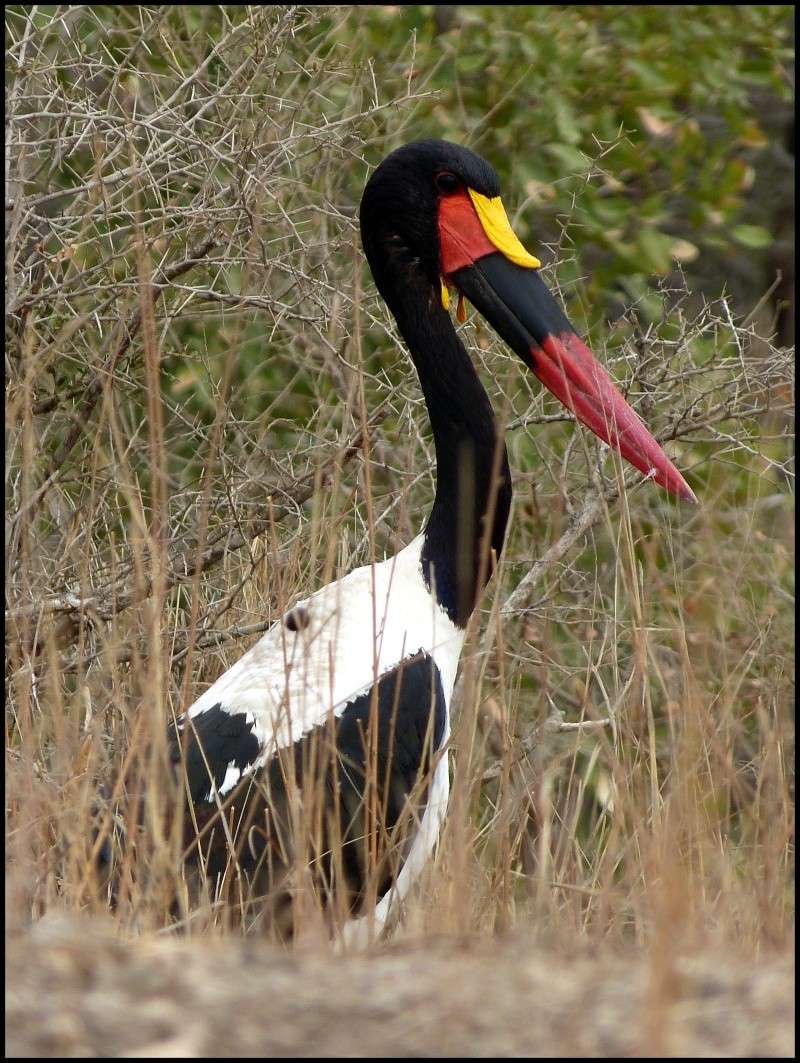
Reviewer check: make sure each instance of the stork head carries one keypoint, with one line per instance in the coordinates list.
(434, 208)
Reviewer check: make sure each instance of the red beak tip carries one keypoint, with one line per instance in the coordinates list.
(681, 490)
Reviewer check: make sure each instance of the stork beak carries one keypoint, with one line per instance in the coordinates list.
(491, 270)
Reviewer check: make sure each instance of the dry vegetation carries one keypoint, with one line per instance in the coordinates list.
(207, 416)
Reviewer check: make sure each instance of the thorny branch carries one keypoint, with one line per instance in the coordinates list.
(188, 562)
(94, 389)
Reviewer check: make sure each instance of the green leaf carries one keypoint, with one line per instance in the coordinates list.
(755, 236)
(657, 248)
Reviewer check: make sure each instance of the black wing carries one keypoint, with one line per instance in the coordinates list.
(344, 801)
(217, 740)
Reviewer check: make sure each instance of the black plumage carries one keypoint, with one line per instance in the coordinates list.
(343, 801)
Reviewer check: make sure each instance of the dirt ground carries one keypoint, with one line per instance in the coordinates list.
(74, 989)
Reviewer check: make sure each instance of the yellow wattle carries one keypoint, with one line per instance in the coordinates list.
(494, 220)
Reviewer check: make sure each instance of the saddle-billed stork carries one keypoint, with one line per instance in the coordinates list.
(323, 751)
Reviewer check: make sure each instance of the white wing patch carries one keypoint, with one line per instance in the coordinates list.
(351, 632)
(232, 776)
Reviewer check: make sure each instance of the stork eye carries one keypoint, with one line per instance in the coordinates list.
(447, 182)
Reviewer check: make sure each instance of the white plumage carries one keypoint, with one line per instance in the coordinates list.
(350, 633)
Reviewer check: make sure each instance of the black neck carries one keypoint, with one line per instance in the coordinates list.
(473, 480)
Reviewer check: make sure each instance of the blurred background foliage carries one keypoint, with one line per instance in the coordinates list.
(631, 139)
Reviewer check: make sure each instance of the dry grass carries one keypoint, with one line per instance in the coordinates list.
(206, 418)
